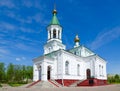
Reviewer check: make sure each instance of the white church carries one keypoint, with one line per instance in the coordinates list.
(68, 66)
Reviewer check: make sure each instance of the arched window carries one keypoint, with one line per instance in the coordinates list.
(75, 53)
(66, 67)
(54, 33)
(49, 49)
(78, 69)
(58, 34)
(50, 34)
(100, 70)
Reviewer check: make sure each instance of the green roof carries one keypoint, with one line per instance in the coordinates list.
(54, 20)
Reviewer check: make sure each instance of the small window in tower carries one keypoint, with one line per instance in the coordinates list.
(75, 53)
(54, 33)
(50, 34)
(58, 34)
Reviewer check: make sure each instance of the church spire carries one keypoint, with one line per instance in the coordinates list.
(54, 20)
(54, 11)
(54, 28)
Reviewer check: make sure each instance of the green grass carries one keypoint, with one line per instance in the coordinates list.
(15, 85)
(115, 83)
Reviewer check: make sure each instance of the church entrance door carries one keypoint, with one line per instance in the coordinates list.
(48, 72)
(88, 72)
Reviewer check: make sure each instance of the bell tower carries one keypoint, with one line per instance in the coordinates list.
(54, 30)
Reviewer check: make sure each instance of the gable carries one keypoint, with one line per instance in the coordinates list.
(81, 51)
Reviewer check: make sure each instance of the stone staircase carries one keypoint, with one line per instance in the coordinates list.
(92, 82)
(31, 84)
(75, 83)
(43, 84)
(55, 83)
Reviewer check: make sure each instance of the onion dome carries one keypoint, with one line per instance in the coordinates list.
(77, 39)
(54, 11)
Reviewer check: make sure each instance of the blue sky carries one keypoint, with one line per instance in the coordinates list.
(23, 28)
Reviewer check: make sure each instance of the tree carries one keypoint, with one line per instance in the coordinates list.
(29, 72)
(117, 78)
(15, 73)
(24, 72)
(2, 72)
(10, 72)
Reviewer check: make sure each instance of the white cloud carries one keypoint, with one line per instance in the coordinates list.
(21, 46)
(7, 3)
(16, 16)
(3, 51)
(26, 47)
(27, 3)
(7, 26)
(36, 4)
(37, 17)
(24, 29)
(20, 59)
(106, 37)
(23, 58)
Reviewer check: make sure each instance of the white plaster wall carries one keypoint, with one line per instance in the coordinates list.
(87, 66)
(35, 72)
(102, 63)
(47, 63)
(85, 52)
(53, 46)
(57, 64)
(73, 61)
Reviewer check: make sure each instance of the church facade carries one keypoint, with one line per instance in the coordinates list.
(57, 63)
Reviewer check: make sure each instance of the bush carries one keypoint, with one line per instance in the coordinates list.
(16, 84)
(115, 79)
(0, 85)
(20, 82)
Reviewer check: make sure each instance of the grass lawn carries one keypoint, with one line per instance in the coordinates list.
(15, 85)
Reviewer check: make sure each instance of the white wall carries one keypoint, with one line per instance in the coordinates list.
(57, 64)
(100, 73)
(73, 61)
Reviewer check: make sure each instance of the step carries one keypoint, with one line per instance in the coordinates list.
(55, 83)
(75, 83)
(43, 84)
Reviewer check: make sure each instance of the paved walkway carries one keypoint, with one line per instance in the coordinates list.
(96, 88)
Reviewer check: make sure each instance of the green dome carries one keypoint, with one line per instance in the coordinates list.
(54, 20)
